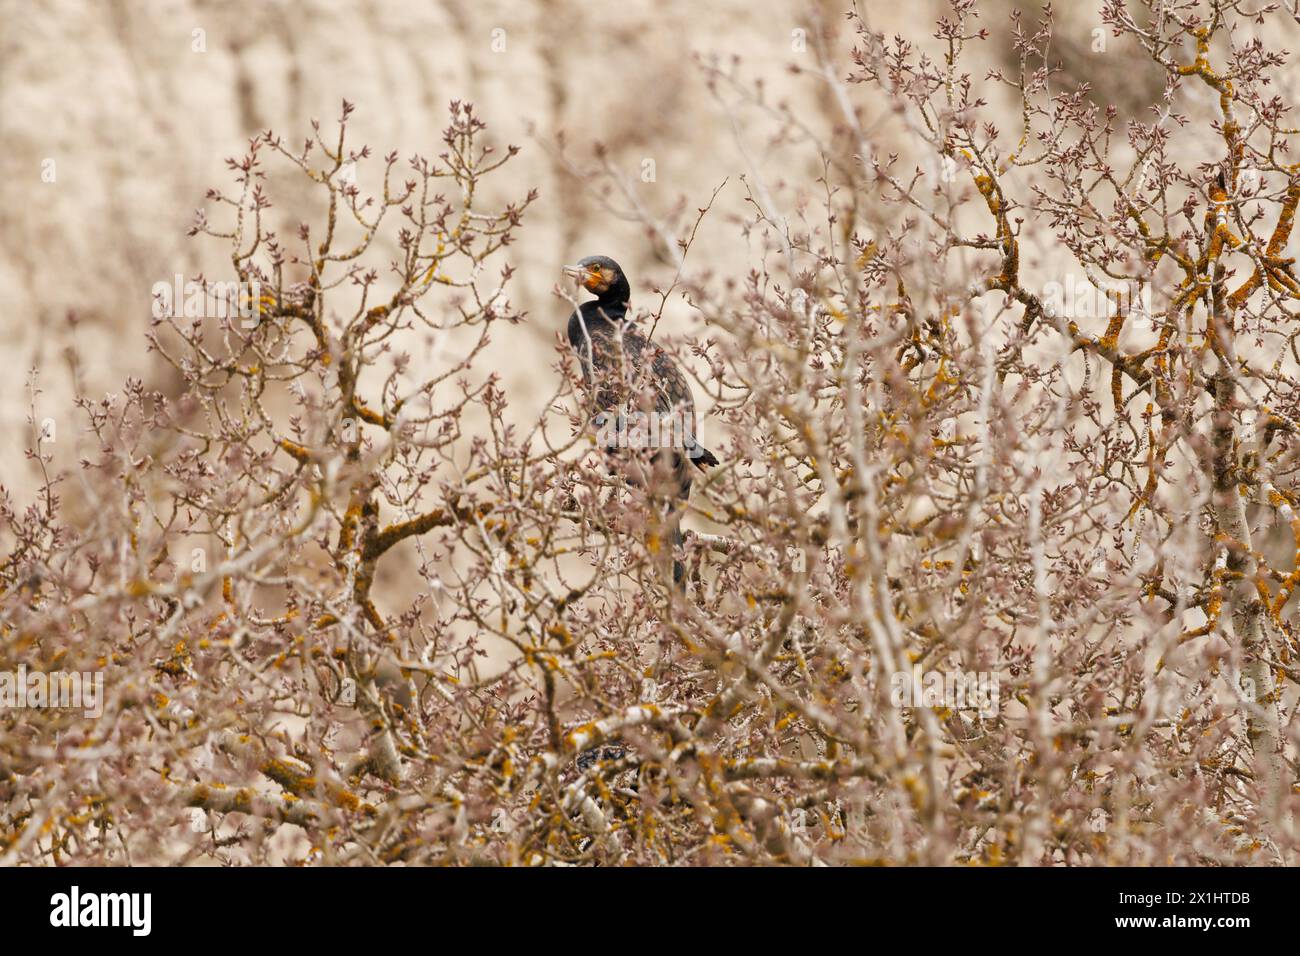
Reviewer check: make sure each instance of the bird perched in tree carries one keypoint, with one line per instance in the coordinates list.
(642, 398)
(590, 757)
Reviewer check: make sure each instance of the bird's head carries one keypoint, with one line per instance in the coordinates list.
(598, 274)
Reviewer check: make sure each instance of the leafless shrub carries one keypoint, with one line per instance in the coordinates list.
(1001, 551)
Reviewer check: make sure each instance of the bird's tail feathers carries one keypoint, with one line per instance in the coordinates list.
(702, 457)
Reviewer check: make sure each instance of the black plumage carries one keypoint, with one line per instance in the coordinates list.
(590, 757)
(640, 395)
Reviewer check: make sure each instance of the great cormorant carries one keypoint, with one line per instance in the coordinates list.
(638, 405)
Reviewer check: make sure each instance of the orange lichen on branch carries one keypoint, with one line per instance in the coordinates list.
(1271, 266)
(437, 518)
(1201, 67)
(1213, 605)
(295, 451)
(1216, 221)
(370, 415)
(1009, 278)
(1289, 583)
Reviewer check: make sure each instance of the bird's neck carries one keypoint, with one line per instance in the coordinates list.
(607, 308)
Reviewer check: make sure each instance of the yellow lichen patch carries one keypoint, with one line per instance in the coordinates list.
(138, 587)
(288, 776)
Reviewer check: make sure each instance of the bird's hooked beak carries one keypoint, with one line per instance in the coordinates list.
(592, 278)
